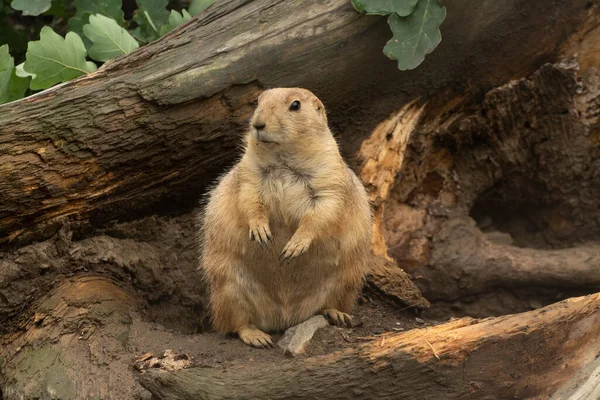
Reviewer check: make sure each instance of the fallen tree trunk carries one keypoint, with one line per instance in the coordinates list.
(148, 131)
(86, 333)
(519, 356)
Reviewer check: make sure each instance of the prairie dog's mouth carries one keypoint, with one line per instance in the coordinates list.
(262, 137)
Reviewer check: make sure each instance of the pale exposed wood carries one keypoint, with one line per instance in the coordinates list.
(380, 159)
(585, 385)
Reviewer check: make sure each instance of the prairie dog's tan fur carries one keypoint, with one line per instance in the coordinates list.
(291, 197)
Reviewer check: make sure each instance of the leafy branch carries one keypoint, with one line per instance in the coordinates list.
(415, 26)
(98, 31)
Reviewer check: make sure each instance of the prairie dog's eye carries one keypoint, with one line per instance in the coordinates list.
(295, 106)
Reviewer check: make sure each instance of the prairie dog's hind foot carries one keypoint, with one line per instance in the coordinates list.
(336, 317)
(255, 337)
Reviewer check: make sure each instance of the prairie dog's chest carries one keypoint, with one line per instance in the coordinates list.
(286, 191)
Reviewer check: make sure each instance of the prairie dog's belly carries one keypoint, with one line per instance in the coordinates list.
(295, 291)
(320, 261)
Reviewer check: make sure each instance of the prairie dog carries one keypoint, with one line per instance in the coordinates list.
(285, 233)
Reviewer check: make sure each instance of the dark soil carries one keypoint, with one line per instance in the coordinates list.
(372, 318)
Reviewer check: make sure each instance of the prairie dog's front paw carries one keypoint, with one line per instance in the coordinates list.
(297, 245)
(259, 231)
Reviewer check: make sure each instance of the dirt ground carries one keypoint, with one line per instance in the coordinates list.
(151, 264)
(372, 317)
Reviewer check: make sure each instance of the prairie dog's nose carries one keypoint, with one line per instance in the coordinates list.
(258, 125)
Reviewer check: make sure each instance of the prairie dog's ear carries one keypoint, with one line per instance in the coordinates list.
(319, 107)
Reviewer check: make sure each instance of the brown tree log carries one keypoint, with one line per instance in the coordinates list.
(519, 356)
(148, 131)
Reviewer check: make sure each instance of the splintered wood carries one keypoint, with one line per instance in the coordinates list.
(380, 159)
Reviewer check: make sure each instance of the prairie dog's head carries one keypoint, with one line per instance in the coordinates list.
(287, 115)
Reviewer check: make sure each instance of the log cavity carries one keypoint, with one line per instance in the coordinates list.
(500, 199)
(518, 212)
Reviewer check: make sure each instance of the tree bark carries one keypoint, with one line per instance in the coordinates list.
(519, 356)
(149, 131)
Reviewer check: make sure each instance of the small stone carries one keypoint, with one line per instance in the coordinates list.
(420, 320)
(295, 338)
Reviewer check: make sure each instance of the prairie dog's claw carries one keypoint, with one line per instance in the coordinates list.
(294, 248)
(261, 233)
(337, 317)
(256, 338)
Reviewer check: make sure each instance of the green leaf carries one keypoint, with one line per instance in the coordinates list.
(108, 8)
(137, 34)
(108, 38)
(6, 68)
(197, 6)
(150, 16)
(85, 8)
(18, 86)
(175, 19)
(384, 7)
(415, 36)
(54, 59)
(76, 25)
(31, 7)
(12, 87)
